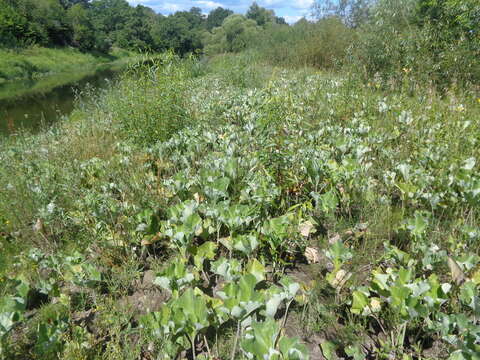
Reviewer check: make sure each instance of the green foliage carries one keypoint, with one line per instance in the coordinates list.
(235, 34)
(262, 343)
(152, 107)
(83, 30)
(352, 12)
(428, 42)
(260, 15)
(12, 25)
(177, 33)
(12, 309)
(216, 17)
(404, 43)
(100, 25)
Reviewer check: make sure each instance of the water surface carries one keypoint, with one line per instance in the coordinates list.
(35, 104)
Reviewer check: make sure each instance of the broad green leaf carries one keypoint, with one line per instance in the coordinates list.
(329, 202)
(259, 340)
(291, 349)
(245, 244)
(359, 303)
(228, 269)
(328, 350)
(272, 305)
(206, 251)
(355, 352)
(257, 269)
(290, 287)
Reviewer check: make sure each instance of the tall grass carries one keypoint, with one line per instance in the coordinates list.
(322, 44)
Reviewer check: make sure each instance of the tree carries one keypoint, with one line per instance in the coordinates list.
(261, 15)
(109, 16)
(453, 18)
(236, 34)
(194, 17)
(174, 32)
(136, 32)
(352, 12)
(12, 25)
(216, 17)
(83, 31)
(99, 24)
(47, 21)
(69, 3)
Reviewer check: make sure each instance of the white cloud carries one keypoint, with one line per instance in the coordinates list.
(303, 4)
(207, 4)
(286, 8)
(283, 4)
(292, 19)
(171, 7)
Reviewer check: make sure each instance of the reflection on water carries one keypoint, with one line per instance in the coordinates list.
(37, 110)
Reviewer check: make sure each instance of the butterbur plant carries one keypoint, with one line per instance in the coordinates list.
(176, 277)
(12, 309)
(277, 232)
(183, 225)
(263, 340)
(184, 318)
(339, 254)
(409, 298)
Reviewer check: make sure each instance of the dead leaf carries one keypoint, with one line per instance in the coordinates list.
(198, 198)
(306, 228)
(375, 305)
(341, 277)
(457, 274)
(335, 238)
(312, 255)
(227, 242)
(38, 226)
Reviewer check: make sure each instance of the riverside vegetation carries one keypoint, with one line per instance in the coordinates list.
(35, 62)
(239, 208)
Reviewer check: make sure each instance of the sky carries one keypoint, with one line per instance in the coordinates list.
(290, 10)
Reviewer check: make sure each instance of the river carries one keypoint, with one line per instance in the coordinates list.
(34, 105)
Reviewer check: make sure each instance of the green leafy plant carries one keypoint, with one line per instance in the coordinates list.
(263, 340)
(12, 309)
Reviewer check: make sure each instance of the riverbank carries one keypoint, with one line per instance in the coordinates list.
(37, 62)
(35, 103)
(70, 69)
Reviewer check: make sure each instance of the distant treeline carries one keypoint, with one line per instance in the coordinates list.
(99, 24)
